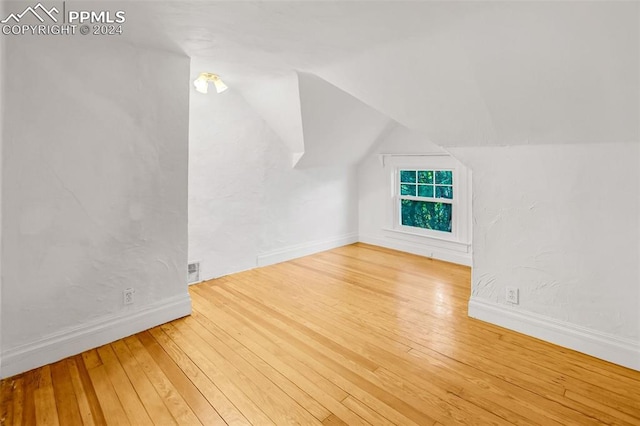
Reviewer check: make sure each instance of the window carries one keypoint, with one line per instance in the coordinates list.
(426, 199)
(428, 205)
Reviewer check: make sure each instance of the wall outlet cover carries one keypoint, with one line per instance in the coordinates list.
(511, 295)
(127, 295)
(194, 272)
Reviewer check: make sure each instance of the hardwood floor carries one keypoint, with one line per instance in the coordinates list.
(357, 335)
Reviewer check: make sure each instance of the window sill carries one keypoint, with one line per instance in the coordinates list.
(442, 242)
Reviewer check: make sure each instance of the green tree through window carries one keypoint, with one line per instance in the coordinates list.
(426, 198)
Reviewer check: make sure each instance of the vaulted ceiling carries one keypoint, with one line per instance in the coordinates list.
(464, 73)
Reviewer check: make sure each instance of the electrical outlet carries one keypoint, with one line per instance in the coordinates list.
(511, 295)
(128, 296)
(193, 272)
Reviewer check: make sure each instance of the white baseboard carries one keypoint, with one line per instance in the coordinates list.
(434, 252)
(625, 352)
(58, 346)
(299, 250)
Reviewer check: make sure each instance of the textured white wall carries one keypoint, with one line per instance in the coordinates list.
(560, 80)
(560, 222)
(277, 100)
(226, 182)
(374, 221)
(373, 178)
(94, 182)
(245, 200)
(2, 137)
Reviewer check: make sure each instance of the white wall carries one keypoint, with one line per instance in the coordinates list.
(561, 81)
(560, 222)
(2, 136)
(226, 182)
(277, 100)
(94, 199)
(374, 199)
(247, 206)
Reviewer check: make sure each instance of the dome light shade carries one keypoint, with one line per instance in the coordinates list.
(219, 84)
(202, 83)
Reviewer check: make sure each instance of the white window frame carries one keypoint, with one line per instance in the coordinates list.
(453, 201)
(460, 234)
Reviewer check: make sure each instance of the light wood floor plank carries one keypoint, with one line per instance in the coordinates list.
(283, 360)
(66, 400)
(32, 381)
(152, 402)
(246, 378)
(127, 395)
(174, 356)
(257, 381)
(45, 401)
(174, 401)
(18, 400)
(91, 359)
(389, 360)
(310, 366)
(435, 403)
(268, 344)
(6, 402)
(198, 403)
(186, 340)
(334, 420)
(368, 413)
(233, 349)
(613, 414)
(337, 367)
(358, 335)
(76, 363)
(110, 404)
(84, 406)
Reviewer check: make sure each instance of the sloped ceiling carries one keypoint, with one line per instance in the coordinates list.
(425, 83)
(278, 102)
(517, 73)
(338, 128)
(320, 124)
(464, 73)
(248, 40)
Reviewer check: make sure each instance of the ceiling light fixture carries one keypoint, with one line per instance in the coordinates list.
(202, 82)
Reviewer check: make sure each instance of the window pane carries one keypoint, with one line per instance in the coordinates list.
(444, 177)
(407, 189)
(425, 191)
(426, 215)
(425, 176)
(408, 176)
(444, 192)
